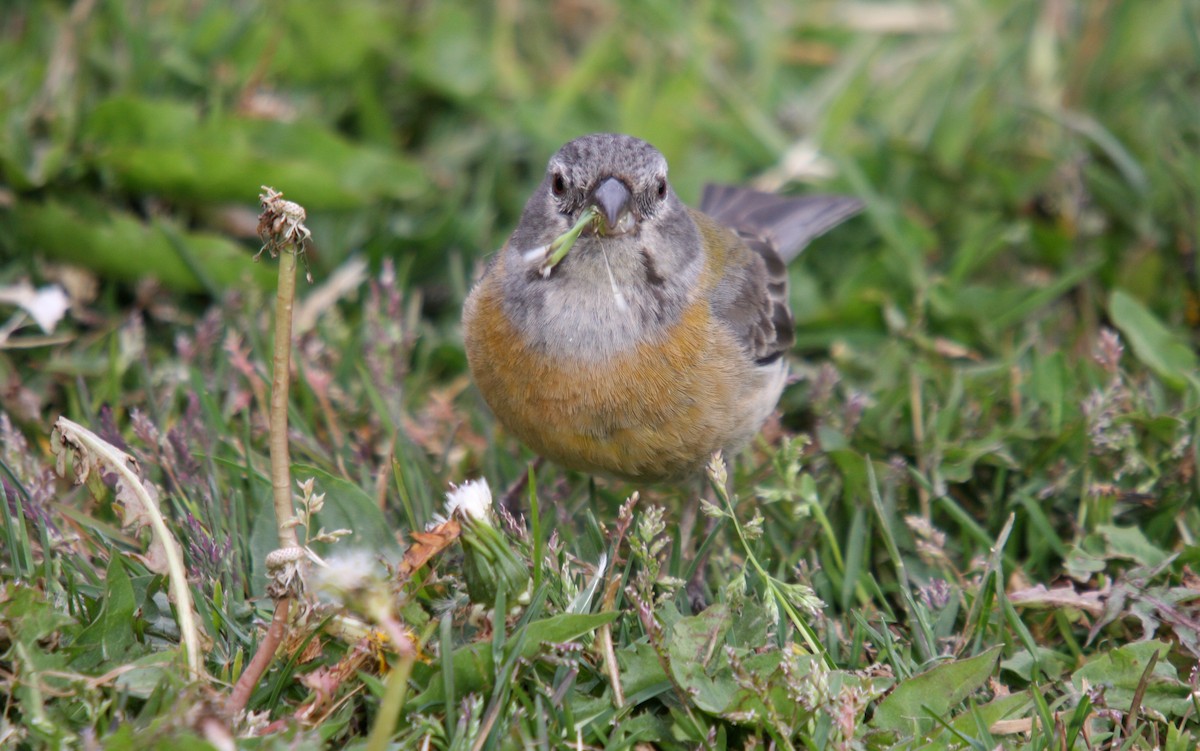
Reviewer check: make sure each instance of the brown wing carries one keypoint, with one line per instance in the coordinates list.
(752, 295)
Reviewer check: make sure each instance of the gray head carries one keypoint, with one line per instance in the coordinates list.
(623, 176)
(641, 255)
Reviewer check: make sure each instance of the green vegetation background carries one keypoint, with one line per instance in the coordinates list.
(996, 363)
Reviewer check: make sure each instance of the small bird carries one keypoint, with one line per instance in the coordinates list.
(619, 332)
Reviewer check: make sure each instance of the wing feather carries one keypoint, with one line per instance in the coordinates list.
(752, 293)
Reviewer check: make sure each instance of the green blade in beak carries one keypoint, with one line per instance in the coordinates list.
(563, 243)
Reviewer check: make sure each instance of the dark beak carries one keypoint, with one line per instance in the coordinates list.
(612, 198)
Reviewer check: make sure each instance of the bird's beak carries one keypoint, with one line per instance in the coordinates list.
(612, 198)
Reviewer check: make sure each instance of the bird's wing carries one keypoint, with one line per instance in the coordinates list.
(786, 224)
(751, 296)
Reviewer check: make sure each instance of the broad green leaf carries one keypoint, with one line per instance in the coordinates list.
(120, 246)
(935, 691)
(1153, 343)
(641, 671)
(698, 651)
(1048, 662)
(750, 625)
(987, 715)
(168, 148)
(1131, 543)
(698, 662)
(32, 616)
(1081, 564)
(110, 635)
(144, 674)
(347, 506)
(1120, 670)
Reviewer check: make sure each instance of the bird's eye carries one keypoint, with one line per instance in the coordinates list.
(661, 188)
(558, 184)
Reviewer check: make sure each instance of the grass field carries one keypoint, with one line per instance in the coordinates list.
(973, 525)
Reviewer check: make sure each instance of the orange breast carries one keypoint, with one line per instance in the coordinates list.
(655, 412)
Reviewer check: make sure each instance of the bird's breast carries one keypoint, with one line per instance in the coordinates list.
(654, 410)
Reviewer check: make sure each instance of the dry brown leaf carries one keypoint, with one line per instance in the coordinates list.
(426, 545)
(1060, 597)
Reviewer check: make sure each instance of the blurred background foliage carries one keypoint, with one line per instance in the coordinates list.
(1019, 162)
(1031, 176)
(981, 133)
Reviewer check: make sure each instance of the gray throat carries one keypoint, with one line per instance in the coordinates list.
(607, 296)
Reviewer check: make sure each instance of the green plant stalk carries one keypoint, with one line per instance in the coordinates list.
(490, 564)
(535, 523)
(35, 704)
(831, 539)
(446, 650)
(810, 636)
(281, 470)
(119, 462)
(836, 550)
(261, 658)
(20, 554)
(393, 702)
(923, 631)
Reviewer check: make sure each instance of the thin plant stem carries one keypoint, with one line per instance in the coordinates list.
(282, 230)
(281, 469)
(262, 657)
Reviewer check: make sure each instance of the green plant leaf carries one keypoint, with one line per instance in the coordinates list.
(986, 715)
(110, 636)
(698, 663)
(347, 506)
(143, 675)
(168, 148)
(474, 667)
(1120, 670)
(121, 246)
(1153, 343)
(937, 690)
(642, 674)
(1131, 543)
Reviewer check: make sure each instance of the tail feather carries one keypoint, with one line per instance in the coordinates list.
(788, 224)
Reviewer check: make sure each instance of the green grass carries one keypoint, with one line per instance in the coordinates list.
(975, 525)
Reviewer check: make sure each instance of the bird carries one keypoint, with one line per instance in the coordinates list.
(619, 332)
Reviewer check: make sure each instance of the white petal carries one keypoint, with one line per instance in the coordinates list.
(473, 498)
(45, 306)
